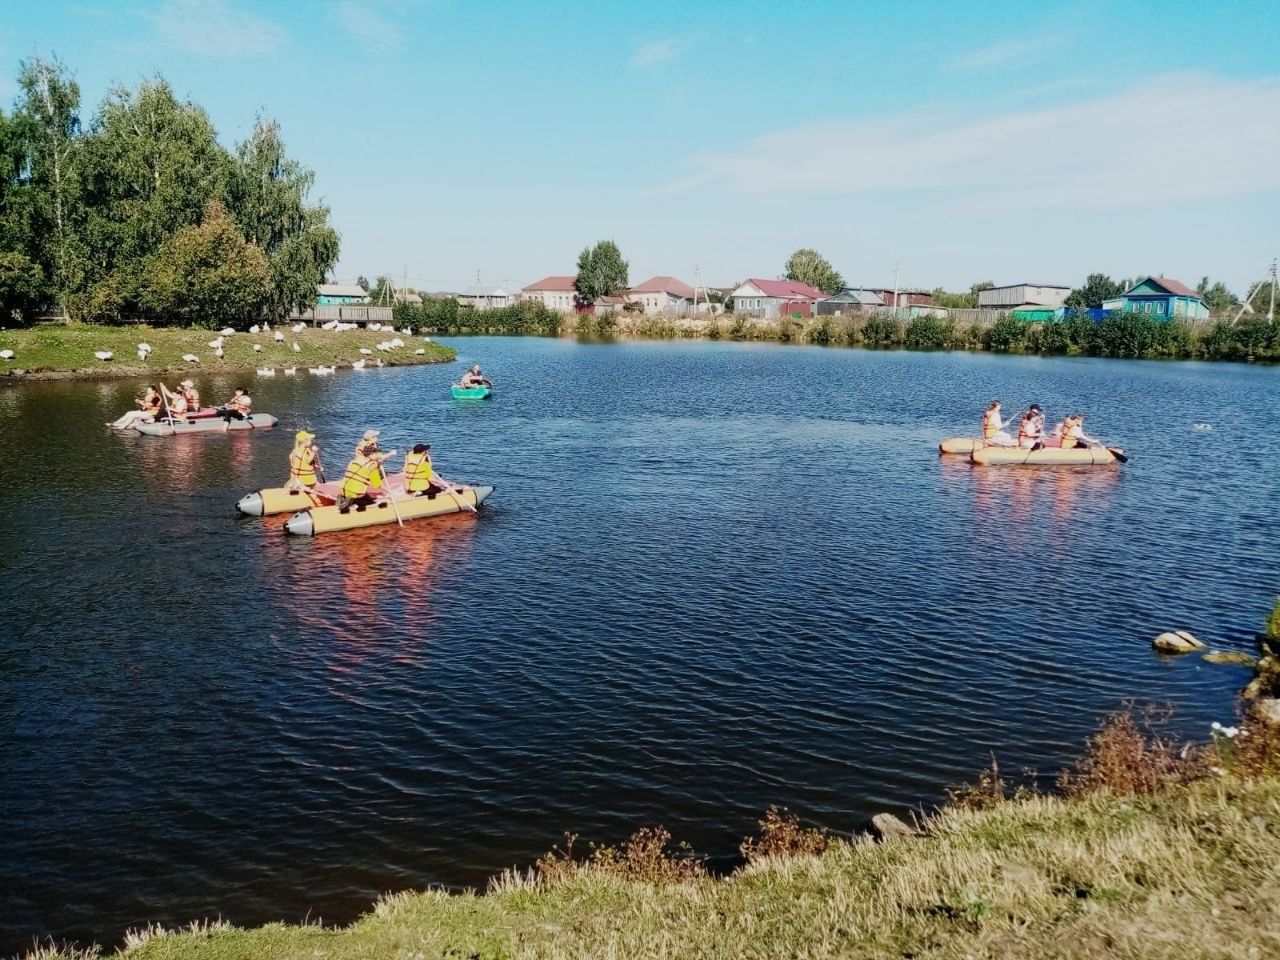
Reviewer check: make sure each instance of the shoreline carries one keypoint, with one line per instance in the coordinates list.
(1141, 836)
(1125, 337)
(59, 352)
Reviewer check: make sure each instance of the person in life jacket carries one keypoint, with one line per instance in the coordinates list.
(474, 378)
(1073, 434)
(177, 405)
(1031, 429)
(149, 404)
(993, 431)
(367, 439)
(238, 407)
(190, 394)
(304, 462)
(419, 474)
(362, 482)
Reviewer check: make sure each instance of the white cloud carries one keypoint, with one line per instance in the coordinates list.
(658, 51)
(1169, 140)
(1003, 53)
(363, 21)
(215, 28)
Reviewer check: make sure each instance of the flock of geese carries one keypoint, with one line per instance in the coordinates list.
(144, 349)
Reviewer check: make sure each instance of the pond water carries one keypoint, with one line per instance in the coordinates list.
(713, 577)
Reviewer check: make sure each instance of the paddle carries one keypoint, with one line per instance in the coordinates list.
(164, 395)
(453, 492)
(391, 494)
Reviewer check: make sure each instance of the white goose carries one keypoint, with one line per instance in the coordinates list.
(103, 354)
(278, 336)
(257, 348)
(226, 331)
(255, 328)
(419, 352)
(296, 348)
(366, 351)
(299, 327)
(6, 354)
(358, 364)
(267, 372)
(290, 371)
(190, 358)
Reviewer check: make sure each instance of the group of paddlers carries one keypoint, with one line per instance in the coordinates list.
(365, 479)
(158, 402)
(1067, 434)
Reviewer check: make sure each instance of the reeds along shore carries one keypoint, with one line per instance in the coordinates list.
(1119, 335)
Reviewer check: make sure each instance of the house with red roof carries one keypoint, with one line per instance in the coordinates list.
(774, 298)
(556, 293)
(662, 295)
(1162, 297)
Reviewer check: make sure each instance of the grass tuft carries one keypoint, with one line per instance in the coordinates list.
(782, 837)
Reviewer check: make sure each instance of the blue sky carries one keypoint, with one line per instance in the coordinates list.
(1013, 142)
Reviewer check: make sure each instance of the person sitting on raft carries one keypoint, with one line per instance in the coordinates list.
(176, 406)
(474, 378)
(419, 474)
(993, 431)
(238, 407)
(362, 483)
(190, 394)
(149, 404)
(1031, 429)
(367, 439)
(304, 462)
(1073, 434)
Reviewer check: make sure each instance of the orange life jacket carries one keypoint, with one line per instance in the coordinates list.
(1029, 429)
(989, 428)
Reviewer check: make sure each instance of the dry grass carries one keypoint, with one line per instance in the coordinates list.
(1155, 852)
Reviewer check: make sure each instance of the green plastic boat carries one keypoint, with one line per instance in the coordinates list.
(470, 393)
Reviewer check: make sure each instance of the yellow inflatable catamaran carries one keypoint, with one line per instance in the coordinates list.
(272, 500)
(329, 519)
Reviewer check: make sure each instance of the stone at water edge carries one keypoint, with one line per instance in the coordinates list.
(886, 827)
(1230, 656)
(1176, 641)
(1268, 708)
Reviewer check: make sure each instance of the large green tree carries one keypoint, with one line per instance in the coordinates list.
(1097, 288)
(601, 272)
(1216, 296)
(269, 197)
(45, 133)
(206, 275)
(809, 266)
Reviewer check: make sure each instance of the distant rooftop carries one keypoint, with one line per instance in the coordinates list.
(555, 284)
(340, 290)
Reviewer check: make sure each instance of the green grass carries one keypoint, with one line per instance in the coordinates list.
(1185, 872)
(68, 350)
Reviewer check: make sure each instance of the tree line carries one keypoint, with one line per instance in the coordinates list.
(139, 213)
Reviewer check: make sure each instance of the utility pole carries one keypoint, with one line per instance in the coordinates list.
(896, 267)
(1271, 310)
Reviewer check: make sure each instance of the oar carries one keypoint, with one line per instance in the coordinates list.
(164, 395)
(453, 492)
(391, 494)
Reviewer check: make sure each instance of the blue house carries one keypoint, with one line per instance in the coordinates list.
(1164, 298)
(338, 294)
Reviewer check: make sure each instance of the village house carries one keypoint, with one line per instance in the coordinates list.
(555, 293)
(774, 298)
(339, 294)
(662, 295)
(901, 298)
(486, 297)
(849, 300)
(1161, 296)
(1023, 295)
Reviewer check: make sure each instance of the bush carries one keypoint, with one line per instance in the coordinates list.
(882, 330)
(1124, 759)
(782, 837)
(1008, 333)
(928, 333)
(646, 856)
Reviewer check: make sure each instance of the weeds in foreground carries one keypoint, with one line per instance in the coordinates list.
(1126, 757)
(646, 856)
(782, 837)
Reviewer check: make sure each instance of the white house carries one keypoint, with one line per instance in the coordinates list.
(771, 298)
(1023, 295)
(662, 295)
(557, 293)
(486, 297)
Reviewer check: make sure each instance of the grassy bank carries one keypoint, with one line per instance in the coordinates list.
(1148, 850)
(52, 351)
